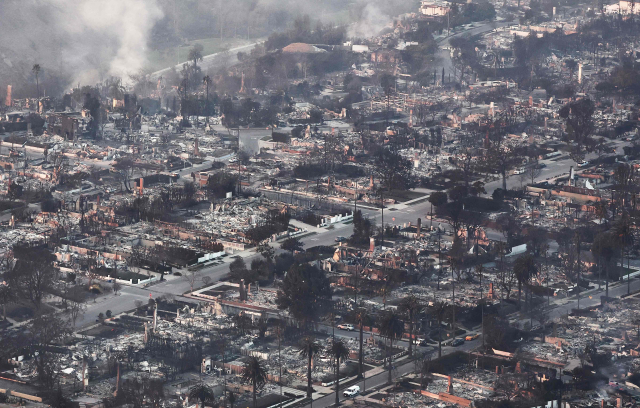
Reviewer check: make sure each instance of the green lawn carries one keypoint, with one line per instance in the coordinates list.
(160, 59)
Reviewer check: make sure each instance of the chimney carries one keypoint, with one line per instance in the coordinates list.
(155, 318)
(491, 294)
(497, 370)
(9, 100)
(602, 403)
(580, 73)
(85, 380)
(372, 244)
(530, 100)
(242, 291)
(115, 394)
(141, 186)
(619, 403)
(450, 386)
(571, 175)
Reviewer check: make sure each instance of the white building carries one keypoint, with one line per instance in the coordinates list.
(434, 8)
(623, 7)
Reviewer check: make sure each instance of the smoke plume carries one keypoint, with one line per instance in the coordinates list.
(87, 40)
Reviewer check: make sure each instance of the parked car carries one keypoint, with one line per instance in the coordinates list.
(340, 239)
(348, 327)
(472, 337)
(352, 391)
(583, 164)
(519, 170)
(457, 342)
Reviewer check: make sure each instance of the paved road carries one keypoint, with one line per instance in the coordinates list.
(381, 379)
(445, 56)
(214, 61)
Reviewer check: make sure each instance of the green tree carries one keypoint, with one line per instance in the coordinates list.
(308, 348)
(339, 351)
(438, 198)
(255, 374)
(524, 268)
(571, 64)
(292, 244)
(305, 292)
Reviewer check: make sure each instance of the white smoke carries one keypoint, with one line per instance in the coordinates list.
(88, 39)
(370, 22)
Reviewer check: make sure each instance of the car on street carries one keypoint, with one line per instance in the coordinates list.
(352, 391)
(457, 342)
(472, 337)
(519, 170)
(348, 327)
(583, 164)
(340, 239)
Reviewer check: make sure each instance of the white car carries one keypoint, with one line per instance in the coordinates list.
(351, 391)
(583, 163)
(348, 327)
(519, 171)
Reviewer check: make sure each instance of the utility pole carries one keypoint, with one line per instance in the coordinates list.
(279, 333)
(453, 305)
(382, 202)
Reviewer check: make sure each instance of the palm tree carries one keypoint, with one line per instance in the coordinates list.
(338, 350)
(308, 348)
(439, 310)
(524, 268)
(36, 70)
(254, 373)
(410, 306)
(207, 82)
(391, 327)
(201, 392)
